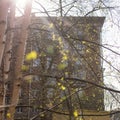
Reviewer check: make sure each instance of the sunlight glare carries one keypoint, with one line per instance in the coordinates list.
(21, 3)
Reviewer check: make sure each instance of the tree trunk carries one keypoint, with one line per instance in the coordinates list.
(19, 60)
(7, 51)
(4, 5)
(9, 40)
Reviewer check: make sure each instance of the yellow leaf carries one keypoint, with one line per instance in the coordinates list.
(62, 78)
(60, 23)
(93, 95)
(42, 115)
(63, 87)
(8, 115)
(68, 36)
(83, 42)
(49, 105)
(75, 113)
(66, 73)
(25, 67)
(94, 31)
(43, 27)
(87, 51)
(31, 56)
(59, 39)
(42, 54)
(51, 25)
(53, 37)
(62, 66)
(59, 84)
(97, 62)
(65, 57)
(28, 78)
(62, 99)
(75, 59)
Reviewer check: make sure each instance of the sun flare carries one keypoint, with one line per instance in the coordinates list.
(21, 3)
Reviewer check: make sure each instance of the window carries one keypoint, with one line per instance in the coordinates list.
(34, 109)
(49, 60)
(19, 109)
(7, 99)
(36, 78)
(34, 93)
(8, 86)
(20, 93)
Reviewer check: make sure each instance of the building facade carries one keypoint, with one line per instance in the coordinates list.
(67, 68)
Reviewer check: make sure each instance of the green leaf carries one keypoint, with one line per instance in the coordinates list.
(62, 66)
(50, 49)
